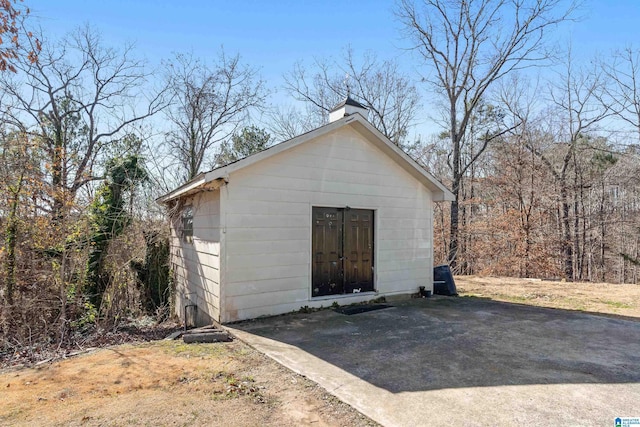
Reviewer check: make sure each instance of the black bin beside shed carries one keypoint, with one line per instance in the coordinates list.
(443, 283)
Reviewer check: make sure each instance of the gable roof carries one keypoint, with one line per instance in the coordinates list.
(216, 177)
(349, 101)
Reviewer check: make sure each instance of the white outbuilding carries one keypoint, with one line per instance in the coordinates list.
(338, 214)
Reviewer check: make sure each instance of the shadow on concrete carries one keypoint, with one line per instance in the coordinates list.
(444, 342)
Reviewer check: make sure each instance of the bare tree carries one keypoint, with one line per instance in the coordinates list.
(286, 122)
(210, 102)
(78, 96)
(624, 75)
(577, 109)
(390, 95)
(624, 90)
(519, 165)
(468, 45)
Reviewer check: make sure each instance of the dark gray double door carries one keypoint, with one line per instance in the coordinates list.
(342, 243)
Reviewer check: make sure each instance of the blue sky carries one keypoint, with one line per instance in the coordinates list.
(273, 35)
(269, 34)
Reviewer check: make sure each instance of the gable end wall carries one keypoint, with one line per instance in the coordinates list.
(267, 216)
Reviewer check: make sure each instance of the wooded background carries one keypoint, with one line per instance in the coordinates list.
(541, 151)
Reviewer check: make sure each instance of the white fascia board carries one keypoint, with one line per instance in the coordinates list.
(182, 190)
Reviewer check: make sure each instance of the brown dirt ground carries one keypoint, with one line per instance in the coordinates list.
(169, 383)
(607, 298)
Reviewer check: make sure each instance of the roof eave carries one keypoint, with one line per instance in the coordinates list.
(180, 191)
(444, 196)
(198, 184)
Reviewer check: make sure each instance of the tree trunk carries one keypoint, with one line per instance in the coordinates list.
(583, 250)
(455, 206)
(10, 242)
(567, 250)
(453, 233)
(62, 289)
(603, 233)
(576, 234)
(527, 241)
(57, 177)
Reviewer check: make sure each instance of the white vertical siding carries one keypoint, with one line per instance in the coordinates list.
(196, 265)
(267, 221)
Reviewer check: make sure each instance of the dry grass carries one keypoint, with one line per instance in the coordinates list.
(608, 298)
(168, 383)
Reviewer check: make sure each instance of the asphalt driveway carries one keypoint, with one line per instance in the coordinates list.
(463, 361)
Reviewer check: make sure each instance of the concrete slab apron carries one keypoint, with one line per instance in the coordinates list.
(463, 361)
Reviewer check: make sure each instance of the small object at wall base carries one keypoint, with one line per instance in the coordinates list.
(424, 293)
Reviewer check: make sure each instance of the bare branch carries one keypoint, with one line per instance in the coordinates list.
(210, 102)
(469, 46)
(389, 95)
(78, 97)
